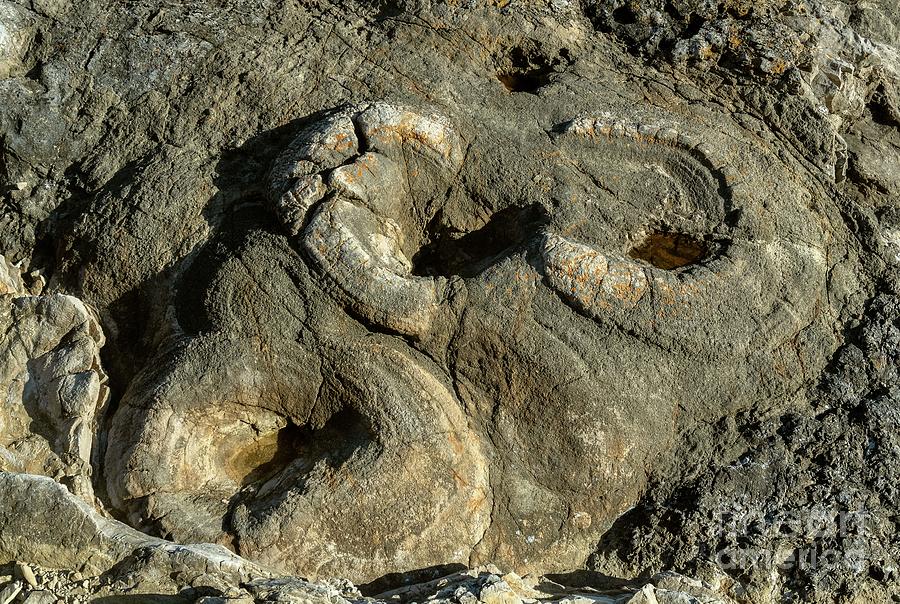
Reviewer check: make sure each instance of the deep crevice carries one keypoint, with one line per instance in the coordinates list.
(466, 255)
(393, 581)
(880, 109)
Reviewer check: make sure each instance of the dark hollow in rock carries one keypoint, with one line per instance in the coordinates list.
(528, 72)
(624, 15)
(468, 254)
(294, 445)
(268, 455)
(525, 81)
(395, 581)
(233, 224)
(670, 250)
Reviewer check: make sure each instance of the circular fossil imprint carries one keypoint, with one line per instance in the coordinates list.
(353, 236)
(287, 443)
(291, 453)
(698, 252)
(298, 470)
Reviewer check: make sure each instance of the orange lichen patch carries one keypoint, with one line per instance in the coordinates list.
(625, 291)
(645, 139)
(342, 141)
(778, 66)
(588, 278)
(524, 277)
(594, 130)
(354, 171)
(626, 283)
(410, 128)
(576, 268)
(476, 501)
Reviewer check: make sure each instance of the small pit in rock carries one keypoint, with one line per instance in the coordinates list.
(530, 71)
(267, 456)
(670, 251)
(468, 254)
(624, 15)
(302, 447)
(527, 81)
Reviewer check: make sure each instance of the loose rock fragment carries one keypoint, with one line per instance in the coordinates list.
(9, 592)
(27, 575)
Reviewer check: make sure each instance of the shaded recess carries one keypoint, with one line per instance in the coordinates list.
(383, 586)
(584, 579)
(302, 447)
(670, 250)
(880, 110)
(451, 253)
(232, 227)
(530, 71)
(624, 15)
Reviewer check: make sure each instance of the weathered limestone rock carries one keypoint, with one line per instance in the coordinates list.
(295, 477)
(367, 194)
(54, 387)
(395, 285)
(44, 524)
(765, 285)
(361, 247)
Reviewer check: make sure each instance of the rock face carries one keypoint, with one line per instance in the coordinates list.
(49, 526)
(77, 555)
(54, 388)
(388, 286)
(500, 397)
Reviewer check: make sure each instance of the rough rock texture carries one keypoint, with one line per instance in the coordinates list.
(54, 388)
(46, 525)
(809, 493)
(81, 556)
(556, 285)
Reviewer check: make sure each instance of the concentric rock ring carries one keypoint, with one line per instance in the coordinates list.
(289, 453)
(352, 236)
(761, 284)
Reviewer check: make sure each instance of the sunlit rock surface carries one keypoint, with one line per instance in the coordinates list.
(588, 290)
